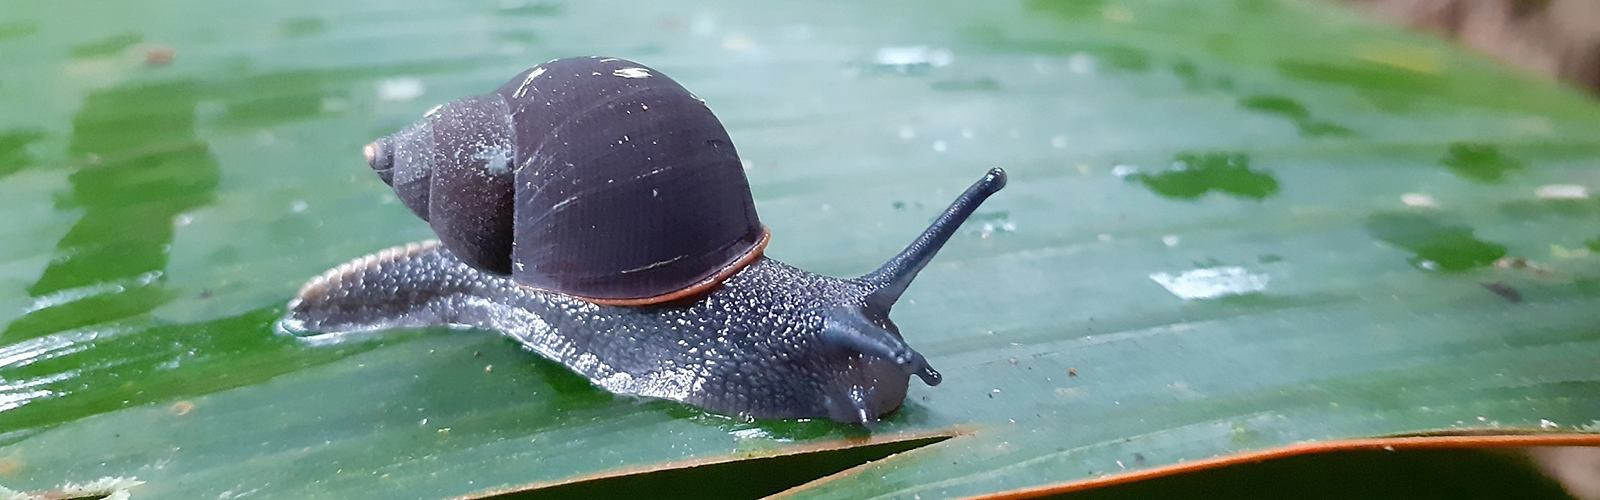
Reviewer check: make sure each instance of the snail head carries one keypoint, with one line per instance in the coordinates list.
(865, 327)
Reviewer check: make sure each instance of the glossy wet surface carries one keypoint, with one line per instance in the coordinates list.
(1335, 250)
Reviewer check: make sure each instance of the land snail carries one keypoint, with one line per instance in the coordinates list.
(595, 211)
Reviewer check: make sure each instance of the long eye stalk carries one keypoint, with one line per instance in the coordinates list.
(892, 279)
(865, 328)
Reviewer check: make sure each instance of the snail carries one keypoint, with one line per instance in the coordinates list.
(595, 211)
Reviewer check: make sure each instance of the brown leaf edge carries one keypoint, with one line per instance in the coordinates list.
(794, 450)
(1480, 439)
(108, 488)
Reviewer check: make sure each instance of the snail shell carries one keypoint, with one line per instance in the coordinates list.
(598, 178)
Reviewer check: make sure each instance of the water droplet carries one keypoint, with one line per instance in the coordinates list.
(400, 89)
(1561, 192)
(1418, 200)
(1211, 282)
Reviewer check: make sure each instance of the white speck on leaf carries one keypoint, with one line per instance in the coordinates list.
(1418, 200)
(1212, 282)
(1561, 192)
(903, 58)
(400, 89)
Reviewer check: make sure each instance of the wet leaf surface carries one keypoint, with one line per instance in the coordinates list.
(1106, 312)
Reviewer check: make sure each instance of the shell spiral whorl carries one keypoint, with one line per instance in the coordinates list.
(599, 178)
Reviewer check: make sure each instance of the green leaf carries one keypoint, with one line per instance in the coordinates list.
(1230, 226)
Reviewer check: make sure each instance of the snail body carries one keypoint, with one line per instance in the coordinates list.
(596, 212)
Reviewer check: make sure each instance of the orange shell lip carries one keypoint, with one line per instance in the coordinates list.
(698, 287)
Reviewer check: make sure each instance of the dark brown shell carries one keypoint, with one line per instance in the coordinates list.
(599, 178)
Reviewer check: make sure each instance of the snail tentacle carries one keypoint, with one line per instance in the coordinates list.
(892, 279)
(849, 328)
